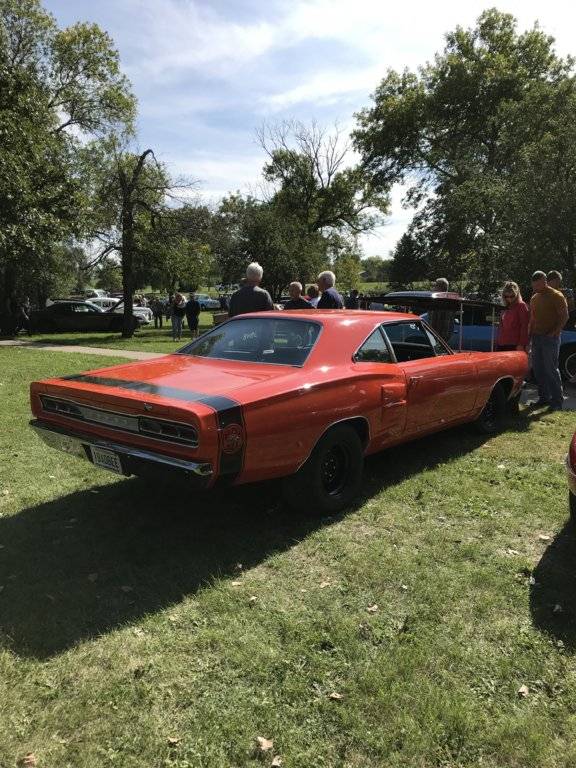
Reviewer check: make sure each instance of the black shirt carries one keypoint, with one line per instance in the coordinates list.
(192, 308)
(298, 304)
(249, 298)
(330, 299)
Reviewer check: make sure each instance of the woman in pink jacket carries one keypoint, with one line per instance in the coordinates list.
(513, 330)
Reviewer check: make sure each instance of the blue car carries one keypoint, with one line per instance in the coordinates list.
(477, 332)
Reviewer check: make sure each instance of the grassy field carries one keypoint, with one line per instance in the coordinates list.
(146, 625)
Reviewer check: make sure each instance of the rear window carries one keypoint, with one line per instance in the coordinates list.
(258, 340)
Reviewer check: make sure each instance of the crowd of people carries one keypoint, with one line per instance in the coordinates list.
(533, 328)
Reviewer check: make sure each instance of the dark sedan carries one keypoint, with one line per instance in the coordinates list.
(75, 316)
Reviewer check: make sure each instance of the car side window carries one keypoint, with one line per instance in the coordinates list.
(374, 350)
(409, 340)
(437, 346)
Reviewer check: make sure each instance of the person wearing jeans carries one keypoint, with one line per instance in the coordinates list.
(548, 316)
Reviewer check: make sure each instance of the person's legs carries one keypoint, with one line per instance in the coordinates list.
(176, 327)
(539, 367)
(551, 351)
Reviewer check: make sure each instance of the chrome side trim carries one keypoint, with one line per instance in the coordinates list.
(74, 443)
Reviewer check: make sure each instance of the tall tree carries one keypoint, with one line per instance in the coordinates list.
(51, 81)
(451, 132)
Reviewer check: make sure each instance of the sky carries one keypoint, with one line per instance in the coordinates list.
(207, 75)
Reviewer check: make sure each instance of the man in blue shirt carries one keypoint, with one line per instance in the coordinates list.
(330, 298)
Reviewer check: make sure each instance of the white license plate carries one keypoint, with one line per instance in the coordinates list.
(106, 459)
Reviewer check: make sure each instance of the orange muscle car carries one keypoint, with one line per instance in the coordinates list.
(300, 395)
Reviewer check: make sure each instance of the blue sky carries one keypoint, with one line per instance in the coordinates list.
(208, 74)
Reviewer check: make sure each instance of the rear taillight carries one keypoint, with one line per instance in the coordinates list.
(168, 430)
(60, 406)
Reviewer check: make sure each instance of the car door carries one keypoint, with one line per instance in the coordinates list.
(441, 385)
(477, 330)
(374, 357)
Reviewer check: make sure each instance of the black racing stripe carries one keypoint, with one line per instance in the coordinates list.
(217, 402)
(228, 411)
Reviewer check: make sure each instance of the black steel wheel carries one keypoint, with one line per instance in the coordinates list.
(572, 502)
(492, 416)
(331, 479)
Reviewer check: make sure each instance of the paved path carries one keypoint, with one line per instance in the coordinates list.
(130, 354)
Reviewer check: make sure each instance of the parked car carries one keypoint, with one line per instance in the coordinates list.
(109, 304)
(206, 302)
(75, 316)
(571, 475)
(265, 396)
(95, 293)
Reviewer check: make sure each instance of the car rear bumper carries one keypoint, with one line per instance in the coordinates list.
(133, 460)
(571, 476)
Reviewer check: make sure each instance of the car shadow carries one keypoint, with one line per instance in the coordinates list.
(553, 589)
(91, 561)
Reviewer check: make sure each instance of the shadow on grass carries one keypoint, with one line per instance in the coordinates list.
(553, 594)
(89, 562)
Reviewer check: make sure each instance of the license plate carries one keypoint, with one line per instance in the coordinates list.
(106, 459)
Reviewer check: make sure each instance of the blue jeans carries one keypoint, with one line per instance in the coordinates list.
(545, 354)
(176, 327)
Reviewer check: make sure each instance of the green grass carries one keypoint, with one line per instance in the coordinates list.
(133, 613)
(146, 339)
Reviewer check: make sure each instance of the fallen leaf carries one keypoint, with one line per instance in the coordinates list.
(138, 632)
(511, 551)
(29, 760)
(557, 608)
(252, 599)
(372, 608)
(52, 477)
(324, 584)
(531, 581)
(238, 567)
(127, 588)
(236, 583)
(501, 466)
(403, 586)
(276, 762)
(335, 696)
(544, 537)
(173, 741)
(92, 577)
(173, 619)
(264, 744)
(523, 691)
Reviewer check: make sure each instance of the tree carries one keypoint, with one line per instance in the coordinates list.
(454, 131)
(50, 81)
(375, 269)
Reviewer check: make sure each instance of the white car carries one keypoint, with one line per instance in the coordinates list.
(108, 304)
(206, 302)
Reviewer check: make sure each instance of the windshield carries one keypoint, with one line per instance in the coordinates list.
(258, 340)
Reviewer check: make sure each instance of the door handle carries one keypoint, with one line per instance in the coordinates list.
(414, 381)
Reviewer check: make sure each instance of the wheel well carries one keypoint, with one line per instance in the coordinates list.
(360, 425)
(506, 385)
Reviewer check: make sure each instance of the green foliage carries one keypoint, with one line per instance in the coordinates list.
(50, 80)
(469, 133)
(375, 269)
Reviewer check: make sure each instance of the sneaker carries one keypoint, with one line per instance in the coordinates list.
(540, 403)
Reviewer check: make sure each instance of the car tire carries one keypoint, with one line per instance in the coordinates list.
(331, 478)
(567, 363)
(572, 505)
(492, 416)
(202, 308)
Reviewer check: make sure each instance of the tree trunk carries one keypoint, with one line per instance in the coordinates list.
(128, 268)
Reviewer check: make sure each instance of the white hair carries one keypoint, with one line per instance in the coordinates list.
(296, 284)
(254, 272)
(328, 277)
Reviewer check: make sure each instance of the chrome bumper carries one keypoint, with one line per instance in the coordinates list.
(131, 458)
(571, 476)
